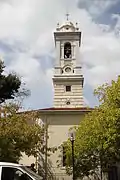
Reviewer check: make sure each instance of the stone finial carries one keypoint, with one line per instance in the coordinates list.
(57, 26)
(77, 28)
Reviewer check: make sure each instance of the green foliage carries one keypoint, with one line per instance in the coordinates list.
(18, 133)
(97, 142)
(9, 85)
(109, 94)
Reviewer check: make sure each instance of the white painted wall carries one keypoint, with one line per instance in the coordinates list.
(59, 125)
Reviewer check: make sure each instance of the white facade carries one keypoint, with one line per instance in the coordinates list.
(59, 121)
(68, 78)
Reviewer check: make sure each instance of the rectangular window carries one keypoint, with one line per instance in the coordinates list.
(68, 88)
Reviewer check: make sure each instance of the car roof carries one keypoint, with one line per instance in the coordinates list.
(10, 164)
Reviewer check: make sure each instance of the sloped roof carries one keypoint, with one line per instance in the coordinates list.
(66, 109)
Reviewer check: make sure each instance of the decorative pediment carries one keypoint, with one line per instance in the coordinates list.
(67, 27)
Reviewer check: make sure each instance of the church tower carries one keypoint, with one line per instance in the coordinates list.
(68, 78)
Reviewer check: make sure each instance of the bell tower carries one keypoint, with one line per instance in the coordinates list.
(68, 78)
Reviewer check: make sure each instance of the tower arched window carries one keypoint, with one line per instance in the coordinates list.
(67, 50)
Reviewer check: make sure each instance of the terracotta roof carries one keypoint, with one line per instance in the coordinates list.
(67, 109)
(52, 109)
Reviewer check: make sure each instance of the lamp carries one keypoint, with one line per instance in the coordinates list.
(72, 139)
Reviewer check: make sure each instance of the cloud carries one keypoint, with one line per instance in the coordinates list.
(101, 55)
(27, 44)
(95, 7)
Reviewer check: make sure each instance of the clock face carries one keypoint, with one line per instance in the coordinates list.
(67, 69)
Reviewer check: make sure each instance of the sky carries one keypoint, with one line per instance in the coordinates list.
(27, 43)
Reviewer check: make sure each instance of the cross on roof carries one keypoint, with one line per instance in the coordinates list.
(67, 15)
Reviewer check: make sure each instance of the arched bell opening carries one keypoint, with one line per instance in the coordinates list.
(67, 50)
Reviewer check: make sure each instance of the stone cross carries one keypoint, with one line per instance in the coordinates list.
(67, 15)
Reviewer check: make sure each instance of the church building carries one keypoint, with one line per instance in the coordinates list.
(68, 108)
(68, 80)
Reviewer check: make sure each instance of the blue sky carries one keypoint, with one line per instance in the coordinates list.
(27, 44)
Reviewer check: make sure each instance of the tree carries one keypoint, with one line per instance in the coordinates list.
(97, 144)
(18, 133)
(9, 85)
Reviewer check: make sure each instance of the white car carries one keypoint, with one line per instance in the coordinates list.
(12, 171)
